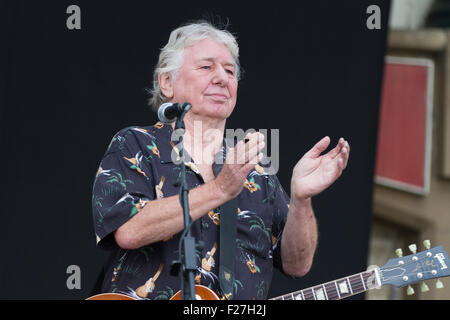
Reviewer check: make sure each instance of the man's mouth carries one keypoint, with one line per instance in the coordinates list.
(218, 96)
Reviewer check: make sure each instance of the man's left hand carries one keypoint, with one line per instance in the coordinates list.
(314, 172)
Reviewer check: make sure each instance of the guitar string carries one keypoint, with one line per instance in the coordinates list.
(357, 288)
(334, 293)
(308, 293)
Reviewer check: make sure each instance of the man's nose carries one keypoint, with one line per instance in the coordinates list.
(220, 76)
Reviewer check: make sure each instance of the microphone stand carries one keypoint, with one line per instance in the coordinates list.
(186, 266)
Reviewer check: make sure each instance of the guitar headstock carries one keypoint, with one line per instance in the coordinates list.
(418, 266)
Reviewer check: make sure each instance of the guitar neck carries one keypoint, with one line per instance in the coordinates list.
(338, 289)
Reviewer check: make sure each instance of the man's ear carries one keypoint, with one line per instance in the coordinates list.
(166, 86)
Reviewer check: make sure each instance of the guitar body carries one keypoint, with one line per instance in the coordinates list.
(201, 292)
(110, 296)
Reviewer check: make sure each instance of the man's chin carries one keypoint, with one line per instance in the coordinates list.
(219, 110)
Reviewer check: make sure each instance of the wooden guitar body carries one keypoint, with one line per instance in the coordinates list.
(110, 296)
(201, 292)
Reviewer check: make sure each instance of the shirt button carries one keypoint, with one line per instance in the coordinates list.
(205, 225)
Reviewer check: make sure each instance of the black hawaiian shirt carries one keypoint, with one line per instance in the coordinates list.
(137, 168)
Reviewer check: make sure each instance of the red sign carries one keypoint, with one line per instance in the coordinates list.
(404, 133)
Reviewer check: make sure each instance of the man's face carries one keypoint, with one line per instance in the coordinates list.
(207, 80)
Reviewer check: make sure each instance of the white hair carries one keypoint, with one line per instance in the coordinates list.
(171, 55)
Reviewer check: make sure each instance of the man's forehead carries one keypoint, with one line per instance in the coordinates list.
(209, 50)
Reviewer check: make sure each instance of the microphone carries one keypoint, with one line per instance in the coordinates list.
(168, 112)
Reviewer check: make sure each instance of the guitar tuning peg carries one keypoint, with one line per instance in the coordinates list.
(409, 290)
(439, 284)
(427, 244)
(399, 252)
(413, 248)
(424, 287)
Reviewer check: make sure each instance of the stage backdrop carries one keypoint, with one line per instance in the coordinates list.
(311, 69)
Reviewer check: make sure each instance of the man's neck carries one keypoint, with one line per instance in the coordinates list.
(203, 139)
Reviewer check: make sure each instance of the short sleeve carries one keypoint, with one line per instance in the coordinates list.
(122, 187)
(280, 207)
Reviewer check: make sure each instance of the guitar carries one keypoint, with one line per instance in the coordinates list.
(398, 272)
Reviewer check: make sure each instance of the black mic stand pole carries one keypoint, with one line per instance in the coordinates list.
(187, 264)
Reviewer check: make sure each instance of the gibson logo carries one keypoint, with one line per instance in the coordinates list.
(441, 259)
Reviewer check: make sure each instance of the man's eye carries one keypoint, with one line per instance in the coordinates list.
(230, 71)
(205, 67)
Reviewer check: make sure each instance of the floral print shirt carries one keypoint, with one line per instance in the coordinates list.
(137, 168)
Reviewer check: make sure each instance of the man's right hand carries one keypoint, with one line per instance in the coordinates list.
(239, 162)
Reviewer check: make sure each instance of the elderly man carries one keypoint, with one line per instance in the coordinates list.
(136, 208)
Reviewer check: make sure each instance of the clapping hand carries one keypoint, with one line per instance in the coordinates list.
(314, 172)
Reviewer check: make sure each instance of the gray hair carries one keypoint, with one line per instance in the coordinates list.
(171, 55)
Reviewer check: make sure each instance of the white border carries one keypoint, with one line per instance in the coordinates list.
(428, 128)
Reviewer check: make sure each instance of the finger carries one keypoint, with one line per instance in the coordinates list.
(346, 153)
(340, 165)
(254, 156)
(249, 142)
(336, 151)
(245, 170)
(239, 149)
(246, 150)
(237, 154)
(253, 138)
(250, 153)
(319, 147)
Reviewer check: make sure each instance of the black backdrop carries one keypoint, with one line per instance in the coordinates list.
(311, 69)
